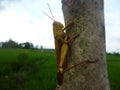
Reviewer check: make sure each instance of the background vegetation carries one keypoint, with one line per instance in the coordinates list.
(23, 69)
(30, 69)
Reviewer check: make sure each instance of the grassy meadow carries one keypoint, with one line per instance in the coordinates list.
(113, 62)
(22, 69)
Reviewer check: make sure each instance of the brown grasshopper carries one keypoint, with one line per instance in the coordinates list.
(61, 40)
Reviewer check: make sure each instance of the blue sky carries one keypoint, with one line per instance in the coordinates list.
(112, 24)
(23, 20)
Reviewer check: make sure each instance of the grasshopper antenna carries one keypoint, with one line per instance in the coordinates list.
(48, 16)
(51, 14)
(50, 11)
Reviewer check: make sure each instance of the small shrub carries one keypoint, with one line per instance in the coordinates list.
(20, 63)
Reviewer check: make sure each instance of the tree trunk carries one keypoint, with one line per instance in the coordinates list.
(86, 55)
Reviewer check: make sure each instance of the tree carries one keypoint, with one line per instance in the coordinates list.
(88, 18)
(27, 45)
(10, 44)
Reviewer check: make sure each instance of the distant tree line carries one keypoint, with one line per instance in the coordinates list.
(13, 44)
(27, 45)
(113, 53)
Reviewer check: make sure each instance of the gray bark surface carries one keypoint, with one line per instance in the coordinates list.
(88, 18)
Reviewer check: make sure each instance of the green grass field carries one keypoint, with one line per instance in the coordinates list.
(22, 69)
(113, 63)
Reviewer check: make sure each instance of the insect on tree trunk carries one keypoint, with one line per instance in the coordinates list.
(88, 18)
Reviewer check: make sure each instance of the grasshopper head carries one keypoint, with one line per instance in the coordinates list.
(58, 25)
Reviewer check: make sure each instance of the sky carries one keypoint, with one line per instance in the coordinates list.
(23, 20)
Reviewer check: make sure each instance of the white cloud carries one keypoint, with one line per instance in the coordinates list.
(112, 17)
(21, 27)
(24, 21)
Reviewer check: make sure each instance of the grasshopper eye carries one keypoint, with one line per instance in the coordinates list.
(54, 23)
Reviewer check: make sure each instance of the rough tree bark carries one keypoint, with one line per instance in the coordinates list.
(88, 18)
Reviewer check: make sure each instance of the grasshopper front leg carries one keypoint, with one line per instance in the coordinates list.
(68, 26)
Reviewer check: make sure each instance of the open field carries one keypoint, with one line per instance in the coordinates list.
(113, 63)
(22, 69)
